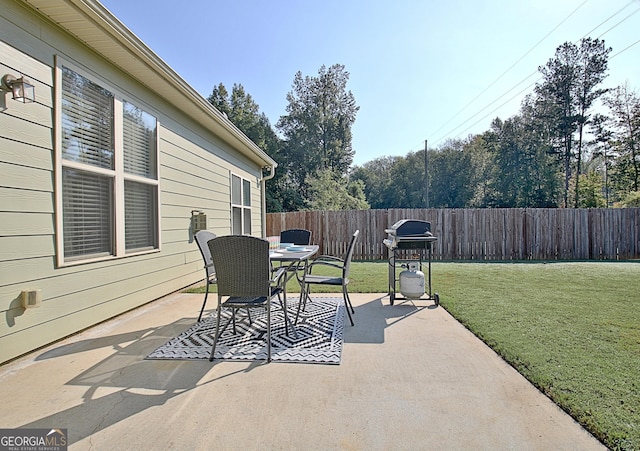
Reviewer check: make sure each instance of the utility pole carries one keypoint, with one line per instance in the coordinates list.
(426, 176)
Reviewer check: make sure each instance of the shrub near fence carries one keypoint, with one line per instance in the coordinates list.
(480, 234)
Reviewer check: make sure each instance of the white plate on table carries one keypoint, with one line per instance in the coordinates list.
(297, 249)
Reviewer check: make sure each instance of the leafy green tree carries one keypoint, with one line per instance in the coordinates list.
(244, 112)
(357, 198)
(219, 98)
(555, 103)
(624, 127)
(317, 126)
(407, 181)
(393, 182)
(524, 171)
(452, 176)
(398, 182)
(328, 192)
(602, 150)
(632, 200)
(375, 176)
(592, 70)
(591, 187)
(485, 170)
(567, 94)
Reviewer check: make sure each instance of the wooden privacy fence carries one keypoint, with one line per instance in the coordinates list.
(480, 234)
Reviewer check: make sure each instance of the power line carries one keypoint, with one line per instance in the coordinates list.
(491, 103)
(510, 67)
(529, 76)
(624, 49)
(602, 34)
(609, 18)
(497, 108)
(532, 84)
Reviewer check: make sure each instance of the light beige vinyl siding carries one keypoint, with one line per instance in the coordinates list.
(13, 200)
(26, 212)
(202, 180)
(195, 167)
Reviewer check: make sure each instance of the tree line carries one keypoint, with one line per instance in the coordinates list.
(311, 142)
(573, 143)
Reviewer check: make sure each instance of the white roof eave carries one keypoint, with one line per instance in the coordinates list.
(114, 41)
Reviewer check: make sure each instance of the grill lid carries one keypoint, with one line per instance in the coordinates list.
(410, 227)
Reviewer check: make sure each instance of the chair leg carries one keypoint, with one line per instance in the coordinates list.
(205, 302)
(308, 296)
(268, 331)
(233, 312)
(217, 335)
(346, 295)
(348, 304)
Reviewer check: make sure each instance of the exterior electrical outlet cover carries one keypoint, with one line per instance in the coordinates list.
(31, 298)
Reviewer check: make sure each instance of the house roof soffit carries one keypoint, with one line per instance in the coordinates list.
(99, 29)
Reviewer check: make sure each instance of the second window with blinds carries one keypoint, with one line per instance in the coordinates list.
(108, 171)
(240, 205)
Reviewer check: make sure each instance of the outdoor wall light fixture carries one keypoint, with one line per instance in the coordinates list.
(198, 221)
(22, 90)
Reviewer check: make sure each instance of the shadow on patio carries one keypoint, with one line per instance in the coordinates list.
(410, 377)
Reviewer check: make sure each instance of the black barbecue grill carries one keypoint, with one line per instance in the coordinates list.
(408, 240)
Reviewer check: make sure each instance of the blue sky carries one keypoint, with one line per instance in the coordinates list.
(419, 70)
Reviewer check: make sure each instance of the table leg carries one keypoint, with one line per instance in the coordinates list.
(285, 309)
(303, 292)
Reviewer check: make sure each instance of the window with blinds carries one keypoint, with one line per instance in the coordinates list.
(139, 141)
(139, 148)
(139, 205)
(109, 181)
(87, 212)
(240, 206)
(87, 121)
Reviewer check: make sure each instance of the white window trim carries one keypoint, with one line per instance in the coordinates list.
(117, 173)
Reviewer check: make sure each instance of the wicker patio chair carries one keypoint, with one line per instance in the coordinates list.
(202, 238)
(300, 237)
(296, 236)
(344, 264)
(244, 279)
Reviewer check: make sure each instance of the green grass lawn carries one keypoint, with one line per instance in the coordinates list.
(572, 329)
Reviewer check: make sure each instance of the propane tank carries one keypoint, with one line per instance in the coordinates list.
(412, 282)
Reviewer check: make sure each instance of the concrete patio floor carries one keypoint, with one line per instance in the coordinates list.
(411, 378)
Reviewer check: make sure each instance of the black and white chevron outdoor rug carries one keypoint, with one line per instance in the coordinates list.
(319, 337)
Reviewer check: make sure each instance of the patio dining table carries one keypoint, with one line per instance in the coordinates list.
(294, 260)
